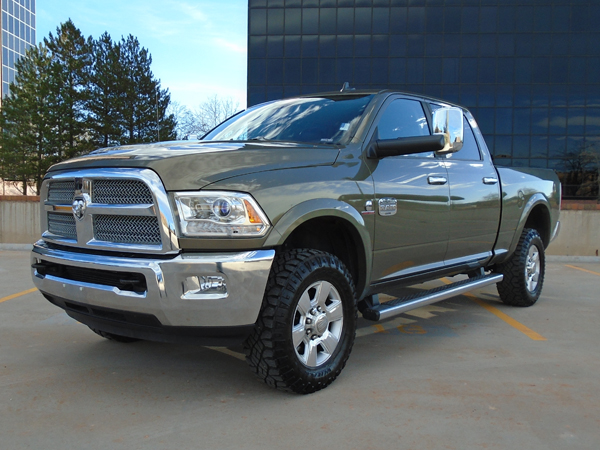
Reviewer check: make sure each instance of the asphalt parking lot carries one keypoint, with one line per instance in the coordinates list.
(466, 373)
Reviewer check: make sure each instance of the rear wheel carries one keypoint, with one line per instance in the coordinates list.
(113, 337)
(306, 327)
(524, 271)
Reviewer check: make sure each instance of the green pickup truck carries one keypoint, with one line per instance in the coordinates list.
(286, 221)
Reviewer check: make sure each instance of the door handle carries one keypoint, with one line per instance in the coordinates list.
(437, 180)
(490, 180)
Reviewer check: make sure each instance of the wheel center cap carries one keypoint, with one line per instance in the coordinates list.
(321, 324)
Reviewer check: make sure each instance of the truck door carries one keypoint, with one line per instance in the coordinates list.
(474, 201)
(411, 203)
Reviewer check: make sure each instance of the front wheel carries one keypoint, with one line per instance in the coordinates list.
(306, 327)
(524, 271)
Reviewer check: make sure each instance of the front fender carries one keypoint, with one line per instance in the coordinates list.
(320, 208)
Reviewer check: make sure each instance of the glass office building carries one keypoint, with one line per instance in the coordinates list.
(529, 70)
(18, 34)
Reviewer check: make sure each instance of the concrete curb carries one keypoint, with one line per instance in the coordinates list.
(17, 247)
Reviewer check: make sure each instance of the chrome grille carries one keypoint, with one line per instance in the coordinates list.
(138, 230)
(121, 192)
(62, 225)
(61, 192)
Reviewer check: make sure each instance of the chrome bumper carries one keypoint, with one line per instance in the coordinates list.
(173, 294)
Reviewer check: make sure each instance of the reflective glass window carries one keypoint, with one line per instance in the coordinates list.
(539, 147)
(310, 20)
(397, 70)
(416, 45)
(506, 19)
(524, 19)
(452, 19)
(469, 45)
(433, 70)
(274, 92)
(310, 46)
(485, 120)
(576, 121)
(402, 118)
(274, 71)
(344, 70)
(452, 44)
(258, 21)
(310, 71)
(539, 120)
(592, 121)
(435, 20)
(379, 70)
(521, 120)
(275, 21)
(450, 70)
(502, 148)
(505, 71)
(275, 46)
(257, 71)
(542, 18)
(380, 45)
(504, 120)
(488, 19)
(327, 46)
(540, 95)
(292, 46)
(362, 45)
(434, 44)
(521, 146)
(345, 45)
(556, 146)
(416, 20)
(293, 69)
(326, 70)
(468, 96)
(398, 45)
(381, 20)
(523, 69)
(487, 70)
(468, 70)
(327, 21)
(470, 149)
(293, 21)
(414, 70)
(362, 20)
(362, 70)
(345, 20)
(557, 123)
(398, 18)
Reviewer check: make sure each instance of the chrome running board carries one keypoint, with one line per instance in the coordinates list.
(398, 306)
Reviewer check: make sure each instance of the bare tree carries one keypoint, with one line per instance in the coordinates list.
(583, 170)
(205, 117)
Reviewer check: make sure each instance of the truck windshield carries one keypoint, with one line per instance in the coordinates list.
(312, 120)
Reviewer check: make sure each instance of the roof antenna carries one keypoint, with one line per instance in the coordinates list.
(346, 87)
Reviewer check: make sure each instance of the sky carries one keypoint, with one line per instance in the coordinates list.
(198, 47)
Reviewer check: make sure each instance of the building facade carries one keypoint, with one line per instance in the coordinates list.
(18, 35)
(529, 70)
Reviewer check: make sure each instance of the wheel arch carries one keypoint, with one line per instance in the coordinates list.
(328, 225)
(536, 214)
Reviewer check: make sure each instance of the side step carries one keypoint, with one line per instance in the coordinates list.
(398, 306)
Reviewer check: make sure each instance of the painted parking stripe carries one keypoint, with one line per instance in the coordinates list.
(583, 270)
(506, 318)
(10, 297)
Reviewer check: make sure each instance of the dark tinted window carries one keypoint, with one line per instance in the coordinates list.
(403, 118)
(470, 149)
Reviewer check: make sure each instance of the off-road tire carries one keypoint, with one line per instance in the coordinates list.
(271, 352)
(114, 337)
(518, 288)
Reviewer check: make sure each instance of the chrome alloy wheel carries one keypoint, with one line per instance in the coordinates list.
(318, 324)
(532, 268)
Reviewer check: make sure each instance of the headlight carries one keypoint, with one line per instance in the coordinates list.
(219, 214)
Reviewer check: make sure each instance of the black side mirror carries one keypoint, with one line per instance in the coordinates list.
(382, 148)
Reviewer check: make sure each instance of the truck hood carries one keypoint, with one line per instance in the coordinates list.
(191, 166)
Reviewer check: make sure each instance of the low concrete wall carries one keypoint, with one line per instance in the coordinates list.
(579, 234)
(19, 219)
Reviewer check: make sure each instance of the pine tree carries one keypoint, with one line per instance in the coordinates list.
(70, 73)
(29, 144)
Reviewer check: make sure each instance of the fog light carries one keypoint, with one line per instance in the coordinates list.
(205, 286)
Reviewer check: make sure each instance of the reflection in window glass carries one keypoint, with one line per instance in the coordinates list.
(403, 118)
(316, 120)
(470, 149)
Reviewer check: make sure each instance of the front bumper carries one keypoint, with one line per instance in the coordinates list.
(168, 294)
